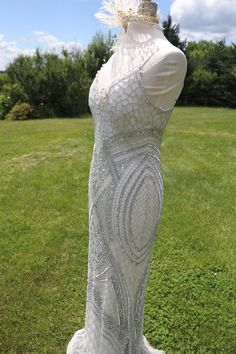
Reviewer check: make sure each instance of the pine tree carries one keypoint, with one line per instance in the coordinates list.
(171, 32)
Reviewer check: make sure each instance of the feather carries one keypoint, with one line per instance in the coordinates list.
(117, 13)
(110, 11)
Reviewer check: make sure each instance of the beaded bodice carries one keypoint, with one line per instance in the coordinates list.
(124, 108)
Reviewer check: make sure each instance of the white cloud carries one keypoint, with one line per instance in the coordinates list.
(205, 19)
(9, 49)
(51, 42)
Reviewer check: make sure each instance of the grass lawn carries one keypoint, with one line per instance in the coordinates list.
(191, 296)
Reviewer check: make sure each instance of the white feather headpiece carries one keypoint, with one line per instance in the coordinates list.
(117, 13)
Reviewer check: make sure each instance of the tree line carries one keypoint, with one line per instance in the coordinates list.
(50, 84)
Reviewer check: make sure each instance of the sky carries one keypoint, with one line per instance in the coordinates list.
(53, 24)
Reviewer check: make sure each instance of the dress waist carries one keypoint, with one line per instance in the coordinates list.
(128, 140)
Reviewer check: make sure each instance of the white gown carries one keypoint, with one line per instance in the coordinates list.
(125, 203)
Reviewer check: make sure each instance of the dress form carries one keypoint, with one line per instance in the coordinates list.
(131, 100)
(163, 73)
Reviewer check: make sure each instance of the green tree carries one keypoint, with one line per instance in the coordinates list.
(98, 52)
(172, 31)
(55, 84)
(210, 78)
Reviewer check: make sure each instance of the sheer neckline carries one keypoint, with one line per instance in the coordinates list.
(106, 90)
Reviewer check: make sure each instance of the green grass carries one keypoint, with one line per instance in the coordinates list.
(191, 296)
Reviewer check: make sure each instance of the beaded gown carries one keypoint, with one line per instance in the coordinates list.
(125, 203)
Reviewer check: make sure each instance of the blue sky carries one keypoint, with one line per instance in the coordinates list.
(27, 24)
(67, 20)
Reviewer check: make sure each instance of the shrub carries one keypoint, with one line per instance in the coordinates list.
(21, 111)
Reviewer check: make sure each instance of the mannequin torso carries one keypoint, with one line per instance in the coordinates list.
(164, 66)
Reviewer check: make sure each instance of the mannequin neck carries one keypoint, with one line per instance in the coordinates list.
(141, 32)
